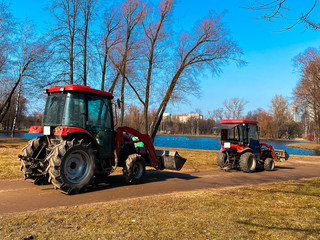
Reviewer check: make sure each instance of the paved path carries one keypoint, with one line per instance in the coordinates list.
(21, 196)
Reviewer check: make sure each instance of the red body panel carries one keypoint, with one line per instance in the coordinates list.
(36, 129)
(79, 88)
(64, 131)
(237, 146)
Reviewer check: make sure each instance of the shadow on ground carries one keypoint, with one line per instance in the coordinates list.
(114, 181)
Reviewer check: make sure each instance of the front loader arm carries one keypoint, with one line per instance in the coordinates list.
(145, 138)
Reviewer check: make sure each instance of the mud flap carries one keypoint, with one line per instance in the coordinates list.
(170, 159)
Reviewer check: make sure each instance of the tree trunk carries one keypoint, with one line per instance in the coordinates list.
(16, 112)
(159, 114)
(114, 82)
(5, 107)
(122, 100)
(104, 71)
(71, 64)
(85, 50)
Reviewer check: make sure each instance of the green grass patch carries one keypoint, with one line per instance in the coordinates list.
(309, 146)
(286, 210)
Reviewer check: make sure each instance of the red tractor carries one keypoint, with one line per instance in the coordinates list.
(79, 143)
(240, 147)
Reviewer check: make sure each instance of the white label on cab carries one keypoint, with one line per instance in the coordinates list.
(46, 130)
(226, 145)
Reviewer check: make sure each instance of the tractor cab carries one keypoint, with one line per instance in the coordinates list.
(240, 134)
(80, 110)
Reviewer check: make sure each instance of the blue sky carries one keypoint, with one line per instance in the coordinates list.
(269, 54)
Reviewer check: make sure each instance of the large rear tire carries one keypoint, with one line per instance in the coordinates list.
(248, 163)
(71, 166)
(269, 164)
(222, 160)
(32, 149)
(134, 169)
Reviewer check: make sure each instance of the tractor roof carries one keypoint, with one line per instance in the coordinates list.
(78, 88)
(238, 121)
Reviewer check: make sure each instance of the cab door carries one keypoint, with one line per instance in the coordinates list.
(100, 124)
(254, 142)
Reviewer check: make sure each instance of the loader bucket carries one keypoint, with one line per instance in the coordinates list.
(170, 159)
(282, 155)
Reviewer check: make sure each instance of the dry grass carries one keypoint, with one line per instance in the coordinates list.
(9, 161)
(287, 210)
(196, 159)
(309, 146)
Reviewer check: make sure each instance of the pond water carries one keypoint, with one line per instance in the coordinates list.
(204, 143)
(22, 135)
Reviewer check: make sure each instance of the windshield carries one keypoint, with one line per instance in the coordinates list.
(233, 133)
(54, 109)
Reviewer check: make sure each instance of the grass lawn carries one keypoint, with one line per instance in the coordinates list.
(286, 210)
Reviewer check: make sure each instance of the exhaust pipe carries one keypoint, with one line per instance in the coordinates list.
(170, 159)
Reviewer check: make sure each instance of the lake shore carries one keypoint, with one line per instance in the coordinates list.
(308, 146)
(218, 136)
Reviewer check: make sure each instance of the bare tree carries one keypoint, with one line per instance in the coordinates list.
(109, 40)
(154, 35)
(65, 33)
(88, 8)
(279, 110)
(280, 9)
(6, 32)
(207, 46)
(216, 114)
(307, 92)
(30, 58)
(132, 14)
(234, 107)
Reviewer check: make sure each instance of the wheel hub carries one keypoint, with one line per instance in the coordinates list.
(76, 167)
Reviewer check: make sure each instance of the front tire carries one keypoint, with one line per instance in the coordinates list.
(71, 166)
(134, 169)
(248, 163)
(222, 160)
(269, 164)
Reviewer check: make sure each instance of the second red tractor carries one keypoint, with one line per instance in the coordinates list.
(241, 148)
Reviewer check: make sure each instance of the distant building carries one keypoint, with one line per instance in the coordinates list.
(166, 116)
(183, 118)
(294, 114)
(195, 116)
